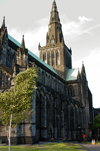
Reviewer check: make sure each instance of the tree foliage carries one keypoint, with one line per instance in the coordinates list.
(18, 99)
(96, 123)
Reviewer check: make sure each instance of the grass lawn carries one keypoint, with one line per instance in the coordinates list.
(45, 147)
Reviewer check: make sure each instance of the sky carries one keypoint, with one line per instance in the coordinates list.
(80, 21)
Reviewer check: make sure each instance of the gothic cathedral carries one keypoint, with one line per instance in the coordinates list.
(63, 101)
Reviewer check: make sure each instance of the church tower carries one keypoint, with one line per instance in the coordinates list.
(56, 53)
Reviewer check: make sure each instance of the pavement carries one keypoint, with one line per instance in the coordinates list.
(91, 147)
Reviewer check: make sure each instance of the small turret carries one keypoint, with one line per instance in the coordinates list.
(78, 75)
(3, 24)
(83, 68)
(23, 43)
(22, 56)
(3, 42)
(39, 46)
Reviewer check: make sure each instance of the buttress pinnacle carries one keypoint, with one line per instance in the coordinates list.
(3, 24)
(23, 43)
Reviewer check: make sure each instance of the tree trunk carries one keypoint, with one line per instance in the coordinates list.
(10, 132)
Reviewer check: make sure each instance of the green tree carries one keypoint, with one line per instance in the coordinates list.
(17, 101)
(96, 123)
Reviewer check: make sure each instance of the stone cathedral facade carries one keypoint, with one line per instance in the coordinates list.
(63, 100)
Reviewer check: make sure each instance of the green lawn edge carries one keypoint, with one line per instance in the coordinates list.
(45, 147)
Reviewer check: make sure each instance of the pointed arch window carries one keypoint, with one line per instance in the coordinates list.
(53, 59)
(57, 57)
(71, 92)
(44, 57)
(48, 58)
(43, 78)
(57, 28)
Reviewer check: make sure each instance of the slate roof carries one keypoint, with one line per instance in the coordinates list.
(72, 74)
(32, 54)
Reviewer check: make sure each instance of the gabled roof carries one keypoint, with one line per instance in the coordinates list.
(32, 54)
(72, 74)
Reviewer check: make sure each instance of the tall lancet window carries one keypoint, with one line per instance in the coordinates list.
(48, 58)
(44, 57)
(53, 58)
(57, 58)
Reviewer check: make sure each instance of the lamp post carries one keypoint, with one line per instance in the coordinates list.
(79, 128)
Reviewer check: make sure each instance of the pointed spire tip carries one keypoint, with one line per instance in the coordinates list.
(23, 42)
(3, 24)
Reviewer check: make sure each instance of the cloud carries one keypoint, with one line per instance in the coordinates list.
(37, 34)
(32, 37)
(43, 21)
(84, 19)
(72, 29)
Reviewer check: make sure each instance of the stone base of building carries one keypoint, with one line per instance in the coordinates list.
(20, 140)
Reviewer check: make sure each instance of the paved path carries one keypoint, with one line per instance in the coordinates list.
(91, 147)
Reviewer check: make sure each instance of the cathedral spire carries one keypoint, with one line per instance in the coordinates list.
(23, 43)
(54, 6)
(54, 13)
(54, 34)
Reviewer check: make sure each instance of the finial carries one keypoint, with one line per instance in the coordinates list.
(3, 24)
(78, 75)
(23, 43)
(83, 68)
(39, 46)
(82, 64)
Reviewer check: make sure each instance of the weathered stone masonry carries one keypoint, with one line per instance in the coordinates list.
(62, 102)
